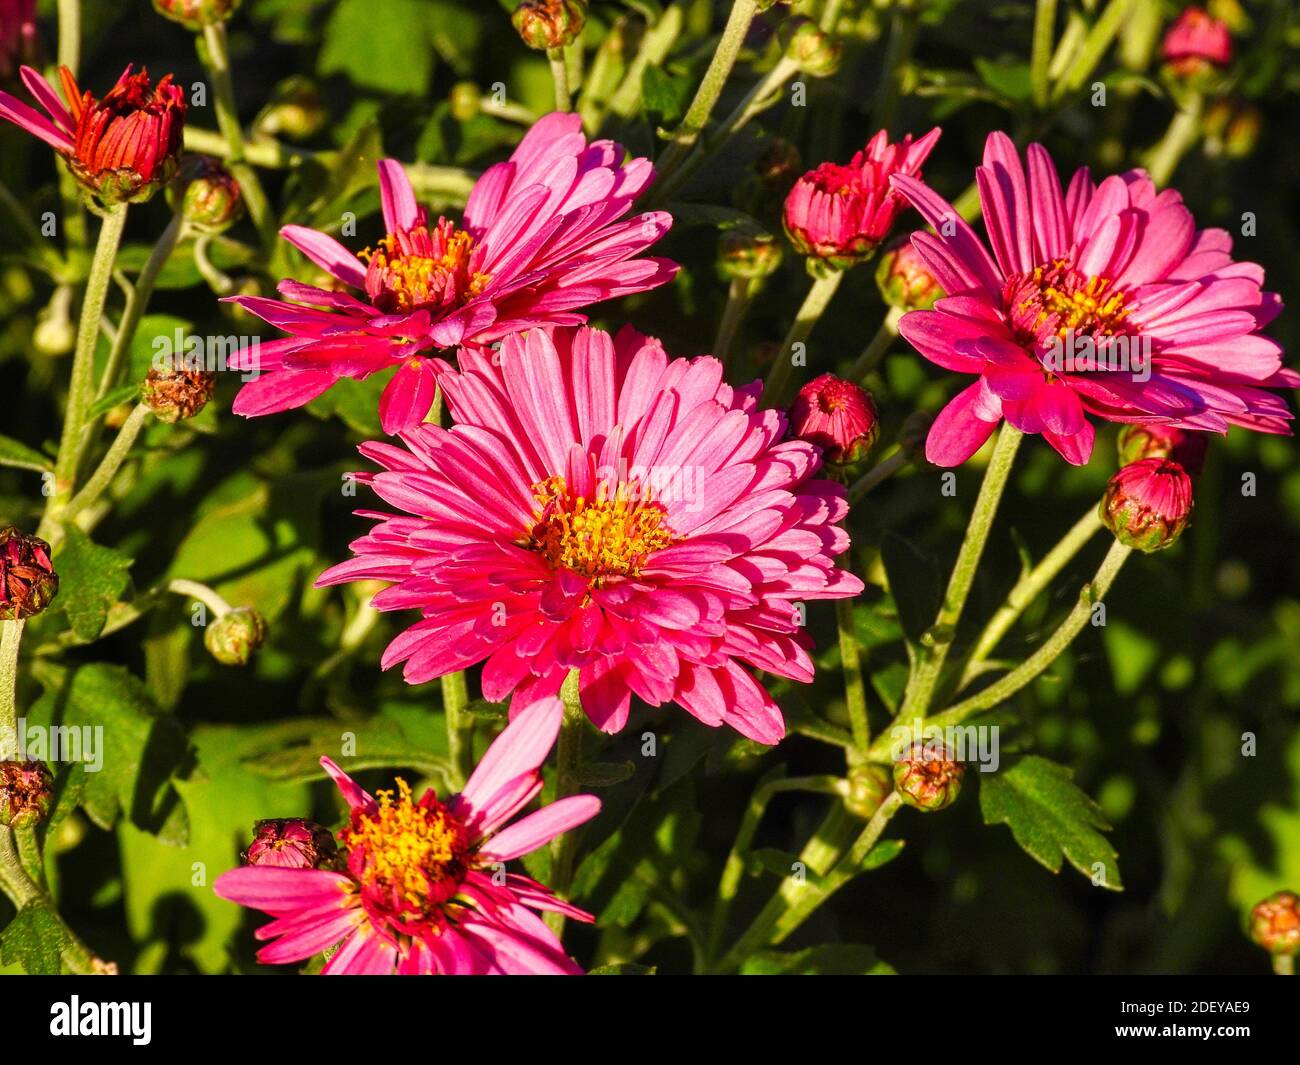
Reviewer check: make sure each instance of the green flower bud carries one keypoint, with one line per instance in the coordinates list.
(234, 636)
(208, 195)
(747, 254)
(814, 51)
(465, 100)
(868, 786)
(928, 778)
(547, 24)
(195, 14)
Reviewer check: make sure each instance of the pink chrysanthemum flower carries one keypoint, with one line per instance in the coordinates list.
(600, 507)
(839, 213)
(540, 237)
(1106, 300)
(424, 890)
(121, 147)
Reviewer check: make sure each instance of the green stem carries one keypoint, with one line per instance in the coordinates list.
(920, 688)
(902, 33)
(81, 387)
(876, 347)
(878, 473)
(1027, 589)
(1001, 690)
(855, 691)
(1041, 55)
(739, 297)
(1284, 964)
(108, 466)
(1180, 137)
(260, 150)
(137, 301)
(1094, 46)
(216, 57)
(460, 725)
(560, 75)
(819, 297)
(11, 635)
(794, 901)
(23, 891)
(205, 595)
(706, 96)
(70, 34)
(568, 758)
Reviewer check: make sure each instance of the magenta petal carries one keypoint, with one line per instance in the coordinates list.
(538, 829)
(400, 209)
(408, 397)
(958, 432)
(327, 253)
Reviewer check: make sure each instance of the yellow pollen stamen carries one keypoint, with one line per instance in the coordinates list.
(409, 848)
(1087, 309)
(602, 537)
(414, 281)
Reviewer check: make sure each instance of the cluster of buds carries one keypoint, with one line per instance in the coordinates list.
(207, 195)
(1147, 504)
(836, 415)
(291, 843)
(232, 638)
(27, 578)
(928, 778)
(812, 50)
(1275, 924)
(1196, 46)
(905, 282)
(836, 215)
(1138, 442)
(122, 148)
(26, 793)
(195, 14)
(18, 45)
(547, 24)
(176, 394)
(747, 254)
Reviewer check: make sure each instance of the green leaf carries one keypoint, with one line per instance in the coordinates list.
(1051, 817)
(34, 939)
(292, 751)
(21, 457)
(1008, 77)
(882, 853)
(106, 711)
(664, 97)
(115, 398)
(91, 579)
(382, 47)
(604, 774)
(830, 959)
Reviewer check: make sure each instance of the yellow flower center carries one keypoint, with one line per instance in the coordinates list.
(1056, 299)
(421, 268)
(607, 536)
(413, 853)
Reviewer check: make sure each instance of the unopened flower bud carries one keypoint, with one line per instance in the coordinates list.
(868, 786)
(295, 110)
(836, 415)
(1147, 504)
(19, 45)
(195, 14)
(27, 578)
(929, 778)
(177, 394)
(1231, 129)
(26, 793)
(1137, 442)
(814, 51)
(747, 254)
(55, 334)
(1275, 923)
(465, 100)
(291, 843)
(1196, 45)
(546, 24)
(232, 638)
(905, 281)
(208, 195)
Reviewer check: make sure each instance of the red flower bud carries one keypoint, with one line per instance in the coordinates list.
(836, 215)
(1147, 504)
(26, 793)
(292, 843)
(195, 14)
(27, 578)
(928, 779)
(836, 415)
(1196, 40)
(546, 24)
(1275, 923)
(905, 282)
